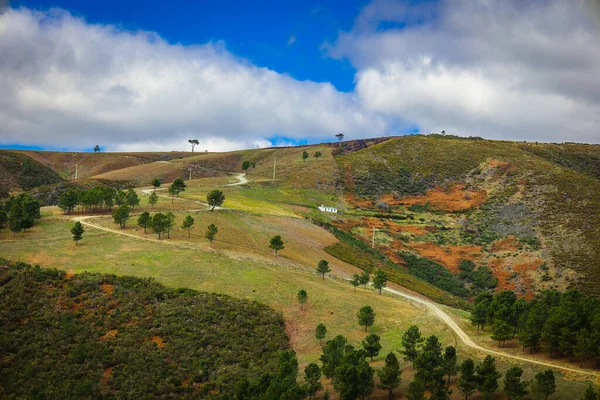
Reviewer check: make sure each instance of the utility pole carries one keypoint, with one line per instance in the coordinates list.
(274, 167)
(76, 172)
(190, 174)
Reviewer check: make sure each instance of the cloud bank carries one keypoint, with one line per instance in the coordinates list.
(507, 69)
(67, 83)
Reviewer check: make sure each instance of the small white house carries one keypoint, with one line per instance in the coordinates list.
(328, 209)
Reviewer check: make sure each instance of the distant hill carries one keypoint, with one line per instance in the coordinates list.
(19, 172)
(529, 212)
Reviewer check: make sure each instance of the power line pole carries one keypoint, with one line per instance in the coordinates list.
(190, 174)
(274, 167)
(373, 243)
(76, 172)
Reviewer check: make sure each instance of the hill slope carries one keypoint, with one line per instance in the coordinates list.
(19, 172)
(528, 212)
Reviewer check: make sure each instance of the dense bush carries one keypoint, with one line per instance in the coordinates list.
(102, 336)
(434, 273)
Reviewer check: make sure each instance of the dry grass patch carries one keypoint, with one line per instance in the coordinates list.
(109, 335)
(456, 198)
(449, 256)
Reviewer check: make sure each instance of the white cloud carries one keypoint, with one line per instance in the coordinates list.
(497, 68)
(65, 82)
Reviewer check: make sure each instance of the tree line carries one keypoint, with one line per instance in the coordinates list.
(19, 213)
(559, 323)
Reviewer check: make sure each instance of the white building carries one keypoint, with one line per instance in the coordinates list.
(327, 209)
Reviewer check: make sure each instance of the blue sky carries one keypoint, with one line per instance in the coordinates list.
(147, 75)
(285, 36)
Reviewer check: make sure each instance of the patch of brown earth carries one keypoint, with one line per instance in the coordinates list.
(450, 256)
(523, 270)
(159, 342)
(106, 376)
(109, 335)
(509, 243)
(457, 198)
(107, 288)
(69, 274)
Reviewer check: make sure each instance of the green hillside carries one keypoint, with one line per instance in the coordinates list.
(20, 172)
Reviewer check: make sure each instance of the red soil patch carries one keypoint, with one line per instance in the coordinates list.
(457, 198)
(523, 270)
(109, 335)
(159, 342)
(450, 257)
(509, 243)
(414, 229)
(106, 376)
(70, 273)
(107, 288)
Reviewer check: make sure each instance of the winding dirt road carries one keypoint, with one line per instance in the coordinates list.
(430, 305)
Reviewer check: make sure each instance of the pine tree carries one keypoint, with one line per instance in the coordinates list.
(156, 183)
(449, 363)
(152, 199)
(467, 383)
(590, 393)
(371, 345)
(211, 232)
(144, 220)
(355, 281)
(188, 223)
(379, 280)
(312, 376)
(479, 315)
(320, 332)
(365, 278)
(215, 198)
(77, 231)
(276, 244)
(304, 155)
(501, 331)
(544, 384)
(323, 268)
(513, 387)
(366, 317)
(333, 353)
(302, 298)
(389, 375)
(487, 377)
(411, 343)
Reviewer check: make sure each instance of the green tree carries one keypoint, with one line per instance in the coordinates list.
(450, 363)
(188, 223)
(159, 223)
(302, 298)
(15, 224)
(320, 332)
(354, 377)
(467, 383)
(193, 142)
(276, 244)
(514, 388)
(590, 393)
(389, 375)
(366, 316)
(323, 268)
(487, 377)
(365, 278)
(77, 231)
(132, 199)
(211, 232)
(544, 384)
(215, 198)
(3, 219)
(173, 192)
(120, 197)
(333, 353)
(96, 149)
(145, 220)
(246, 165)
(411, 344)
(68, 200)
(121, 215)
(355, 281)
(304, 155)
(501, 331)
(416, 390)
(156, 183)
(371, 345)
(152, 199)
(179, 185)
(583, 345)
(312, 377)
(170, 218)
(379, 280)
(479, 315)
(318, 154)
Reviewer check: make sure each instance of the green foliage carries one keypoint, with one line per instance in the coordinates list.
(389, 375)
(544, 384)
(160, 223)
(67, 349)
(501, 331)
(152, 199)
(215, 198)
(77, 232)
(333, 354)
(365, 278)
(366, 316)
(276, 244)
(323, 268)
(312, 377)
(354, 377)
(449, 363)
(318, 154)
(188, 223)
(156, 183)
(177, 187)
(411, 344)
(320, 332)
(211, 232)
(304, 155)
(467, 382)
(302, 298)
(590, 393)
(246, 165)
(3, 219)
(355, 281)
(22, 172)
(434, 273)
(514, 388)
(379, 280)
(487, 377)
(22, 211)
(371, 345)
(145, 220)
(121, 215)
